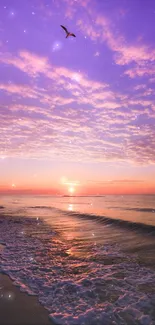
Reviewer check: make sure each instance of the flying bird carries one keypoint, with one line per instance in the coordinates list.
(67, 32)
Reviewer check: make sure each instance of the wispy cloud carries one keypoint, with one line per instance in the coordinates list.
(103, 30)
(85, 121)
(108, 182)
(141, 71)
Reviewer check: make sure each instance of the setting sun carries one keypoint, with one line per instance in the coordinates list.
(71, 189)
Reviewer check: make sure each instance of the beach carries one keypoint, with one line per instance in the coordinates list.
(71, 266)
(17, 307)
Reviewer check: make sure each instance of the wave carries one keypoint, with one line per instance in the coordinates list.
(75, 203)
(135, 226)
(83, 196)
(40, 207)
(142, 209)
(135, 209)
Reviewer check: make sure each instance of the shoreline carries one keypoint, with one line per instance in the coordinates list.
(18, 307)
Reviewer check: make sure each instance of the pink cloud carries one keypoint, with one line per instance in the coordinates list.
(24, 91)
(88, 91)
(27, 62)
(140, 87)
(102, 29)
(124, 53)
(99, 129)
(139, 54)
(88, 30)
(80, 88)
(140, 71)
(72, 6)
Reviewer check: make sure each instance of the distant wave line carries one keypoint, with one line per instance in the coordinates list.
(135, 226)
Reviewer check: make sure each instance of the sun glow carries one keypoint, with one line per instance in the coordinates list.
(71, 190)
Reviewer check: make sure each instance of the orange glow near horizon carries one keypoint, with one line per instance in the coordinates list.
(71, 179)
(107, 188)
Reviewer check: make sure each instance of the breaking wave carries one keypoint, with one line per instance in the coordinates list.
(135, 226)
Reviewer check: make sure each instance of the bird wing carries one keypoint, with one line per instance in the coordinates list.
(64, 28)
(72, 35)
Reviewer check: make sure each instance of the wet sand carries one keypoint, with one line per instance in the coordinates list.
(17, 307)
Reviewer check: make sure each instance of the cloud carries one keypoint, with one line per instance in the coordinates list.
(31, 64)
(23, 91)
(139, 87)
(84, 121)
(124, 53)
(127, 181)
(72, 7)
(99, 28)
(84, 91)
(141, 71)
(119, 181)
(138, 54)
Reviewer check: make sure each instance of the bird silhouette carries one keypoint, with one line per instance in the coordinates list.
(67, 32)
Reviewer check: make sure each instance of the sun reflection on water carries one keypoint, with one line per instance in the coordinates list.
(70, 207)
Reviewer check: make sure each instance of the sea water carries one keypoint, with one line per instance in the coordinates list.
(90, 260)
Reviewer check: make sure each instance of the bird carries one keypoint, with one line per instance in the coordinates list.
(67, 32)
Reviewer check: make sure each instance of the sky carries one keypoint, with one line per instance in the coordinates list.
(77, 114)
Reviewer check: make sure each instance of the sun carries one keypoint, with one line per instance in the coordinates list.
(71, 190)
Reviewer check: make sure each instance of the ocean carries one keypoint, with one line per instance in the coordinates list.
(90, 260)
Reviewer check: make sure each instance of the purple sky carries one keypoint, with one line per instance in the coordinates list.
(81, 108)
